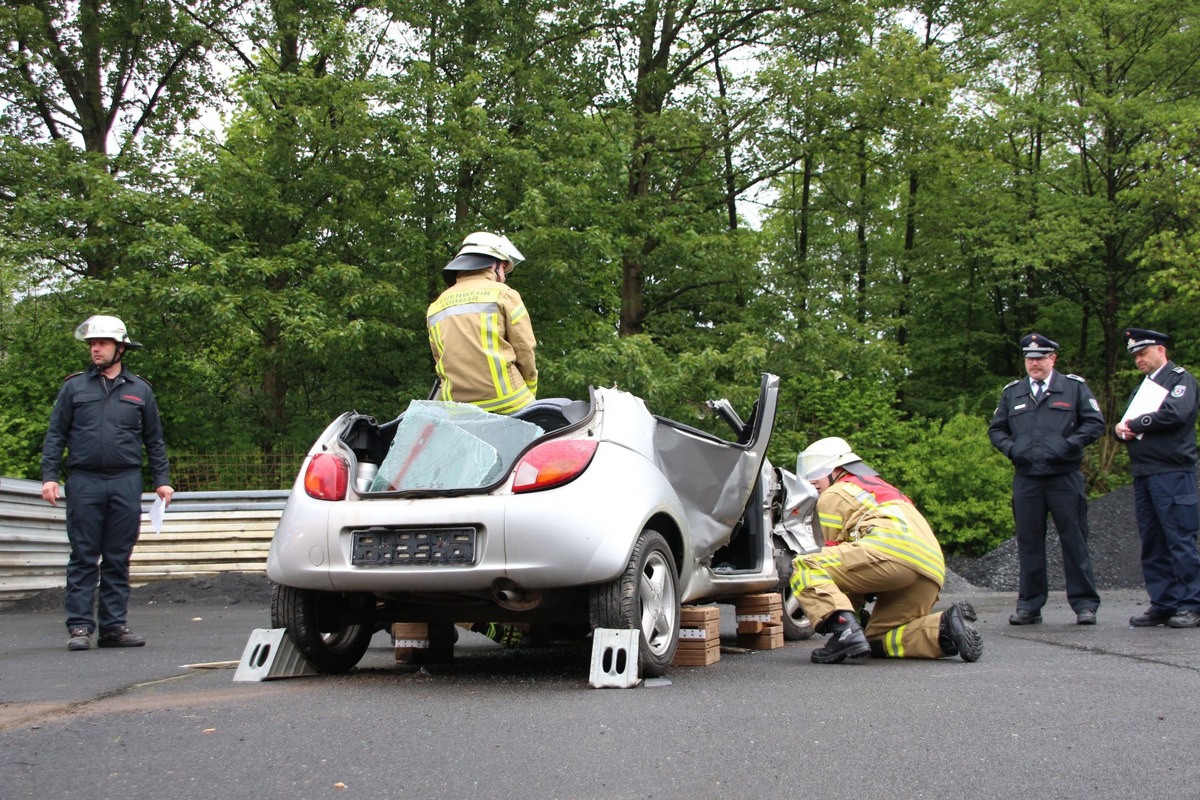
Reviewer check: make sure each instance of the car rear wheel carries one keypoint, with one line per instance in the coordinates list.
(645, 597)
(322, 625)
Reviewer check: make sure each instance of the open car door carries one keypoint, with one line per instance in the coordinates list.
(714, 478)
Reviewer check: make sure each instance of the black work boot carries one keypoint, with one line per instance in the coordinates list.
(81, 639)
(957, 636)
(846, 639)
(120, 636)
(1150, 618)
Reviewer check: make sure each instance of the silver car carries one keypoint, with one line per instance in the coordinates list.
(567, 516)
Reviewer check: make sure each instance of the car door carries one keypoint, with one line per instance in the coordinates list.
(714, 478)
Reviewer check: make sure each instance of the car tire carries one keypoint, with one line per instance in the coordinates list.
(645, 597)
(322, 625)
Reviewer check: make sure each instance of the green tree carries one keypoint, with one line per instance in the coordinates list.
(287, 274)
(94, 94)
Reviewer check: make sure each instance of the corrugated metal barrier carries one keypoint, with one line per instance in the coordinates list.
(203, 533)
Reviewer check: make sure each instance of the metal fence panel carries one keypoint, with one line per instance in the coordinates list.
(203, 533)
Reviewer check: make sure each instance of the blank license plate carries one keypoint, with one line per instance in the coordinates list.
(391, 547)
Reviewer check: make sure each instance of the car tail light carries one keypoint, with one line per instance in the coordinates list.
(553, 464)
(326, 477)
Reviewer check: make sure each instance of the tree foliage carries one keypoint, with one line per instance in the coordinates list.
(872, 200)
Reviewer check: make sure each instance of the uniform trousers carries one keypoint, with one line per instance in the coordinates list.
(1168, 518)
(103, 520)
(839, 578)
(1062, 497)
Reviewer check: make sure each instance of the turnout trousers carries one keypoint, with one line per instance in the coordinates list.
(840, 577)
(1062, 497)
(103, 520)
(1168, 518)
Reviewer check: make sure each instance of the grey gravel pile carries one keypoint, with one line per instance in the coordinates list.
(1113, 542)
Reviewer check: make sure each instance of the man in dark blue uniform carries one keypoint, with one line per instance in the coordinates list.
(103, 417)
(1159, 430)
(1042, 425)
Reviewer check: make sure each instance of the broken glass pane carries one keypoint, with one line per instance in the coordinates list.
(442, 445)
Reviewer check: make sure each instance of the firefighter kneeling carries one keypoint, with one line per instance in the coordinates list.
(876, 544)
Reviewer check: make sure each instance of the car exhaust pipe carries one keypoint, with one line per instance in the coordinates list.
(508, 595)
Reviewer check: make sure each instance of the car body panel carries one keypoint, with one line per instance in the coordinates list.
(647, 472)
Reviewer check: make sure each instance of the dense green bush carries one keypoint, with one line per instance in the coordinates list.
(957, 479)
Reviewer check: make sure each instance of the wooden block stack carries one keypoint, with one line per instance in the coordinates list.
(409, 637)
(760, 621)
(699, 636)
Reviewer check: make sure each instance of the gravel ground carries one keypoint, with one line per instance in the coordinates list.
(1114, 546)
(1113, 542)
(224, 589)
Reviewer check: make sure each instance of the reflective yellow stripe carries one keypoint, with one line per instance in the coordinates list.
(518, 312)
(827, 559)
(491, 342)
(828, 520)
(907, 549)
(511, 402)
(893, 642)
(898, 542)
(806, 577)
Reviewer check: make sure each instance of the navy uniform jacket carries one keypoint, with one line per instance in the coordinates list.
(104, 432)
(1046, 438)
(1169, 443)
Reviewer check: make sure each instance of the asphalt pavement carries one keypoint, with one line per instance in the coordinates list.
(1053, 710)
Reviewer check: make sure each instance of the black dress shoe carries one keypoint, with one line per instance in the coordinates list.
(1085, 616)
(1024, 616)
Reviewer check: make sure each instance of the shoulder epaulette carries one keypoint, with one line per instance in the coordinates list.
(143, 380)
(1011, 383)
(1178, 369)
(72, 375)
(1075, 378)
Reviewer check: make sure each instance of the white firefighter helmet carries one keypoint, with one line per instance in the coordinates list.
(102, 326)
(479, 251)
(824, 455)
(491, 244)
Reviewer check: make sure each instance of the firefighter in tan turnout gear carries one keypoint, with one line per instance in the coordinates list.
(479, 331)
(483, 343)
(876, 544)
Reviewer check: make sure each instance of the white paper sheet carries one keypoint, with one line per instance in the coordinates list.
(1147, 400)
(157, 509)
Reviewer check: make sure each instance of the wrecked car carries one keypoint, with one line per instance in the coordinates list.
(567, 516)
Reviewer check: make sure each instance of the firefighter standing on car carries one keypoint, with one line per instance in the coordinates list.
(479, 331)
(482, 342)
(103, 418)
(877, 544)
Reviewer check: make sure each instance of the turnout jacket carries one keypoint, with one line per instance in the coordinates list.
(874, 514)
(104, 431)
(1046, 436)
(483, 343)
(1168, 443)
